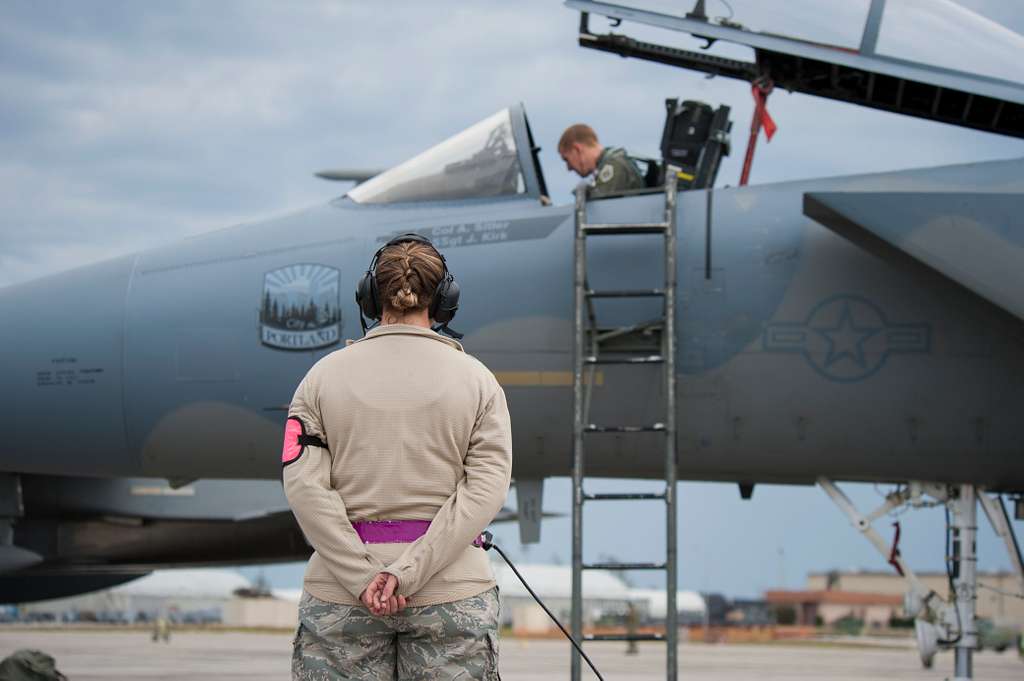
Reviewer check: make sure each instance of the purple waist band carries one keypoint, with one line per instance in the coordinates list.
(394, 531)
(391, 531)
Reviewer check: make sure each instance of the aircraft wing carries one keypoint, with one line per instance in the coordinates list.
(858, 76)
(973, 238)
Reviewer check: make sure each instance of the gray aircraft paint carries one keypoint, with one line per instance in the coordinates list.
(204, 397)
(154, 499)
(137, 524)
(64, 351)
(974, 238)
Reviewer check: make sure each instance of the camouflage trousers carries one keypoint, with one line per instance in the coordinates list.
(442, 642)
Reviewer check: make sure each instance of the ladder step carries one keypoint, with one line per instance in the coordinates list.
(596, 229)
(623, 566)
(626, 293)
(623, 496)
(646, 359)
(624, 637)
(653, 428)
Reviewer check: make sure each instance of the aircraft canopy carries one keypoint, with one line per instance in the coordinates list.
(482, 161)
(938, 33)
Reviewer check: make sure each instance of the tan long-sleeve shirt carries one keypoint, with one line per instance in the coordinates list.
(416, 429)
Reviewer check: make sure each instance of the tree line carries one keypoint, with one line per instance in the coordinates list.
(285, 317)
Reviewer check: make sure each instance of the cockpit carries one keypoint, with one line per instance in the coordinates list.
(493, 158)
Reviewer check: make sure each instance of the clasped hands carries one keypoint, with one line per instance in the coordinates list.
(380, 597)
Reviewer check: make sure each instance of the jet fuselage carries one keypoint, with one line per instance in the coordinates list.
(800, 354)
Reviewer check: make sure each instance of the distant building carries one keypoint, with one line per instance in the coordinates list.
(741, 612)
(279, 611)
(996, 599)
(828, 607)
(717, 608)
(876, 596)
(201, 596)
(190, 596)
(654, 603)
(746, 612)
(605, 598)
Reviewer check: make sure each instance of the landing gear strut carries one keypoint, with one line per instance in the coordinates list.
(962, 566)
(940, 623)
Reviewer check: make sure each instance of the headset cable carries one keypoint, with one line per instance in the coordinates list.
(489, 544)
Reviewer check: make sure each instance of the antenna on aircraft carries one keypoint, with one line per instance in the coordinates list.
(699, 12)
(348, 175)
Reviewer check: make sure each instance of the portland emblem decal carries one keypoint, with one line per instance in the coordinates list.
(300, 308)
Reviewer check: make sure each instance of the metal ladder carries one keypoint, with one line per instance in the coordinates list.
(588, 355)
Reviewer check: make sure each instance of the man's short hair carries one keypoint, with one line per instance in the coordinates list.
(580, 133)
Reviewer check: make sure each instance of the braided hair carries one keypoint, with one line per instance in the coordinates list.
(407, 276)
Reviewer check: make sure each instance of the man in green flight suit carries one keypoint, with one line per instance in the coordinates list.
(613, 170)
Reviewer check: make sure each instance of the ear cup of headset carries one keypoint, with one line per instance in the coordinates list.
(366, 295)
(446, 300)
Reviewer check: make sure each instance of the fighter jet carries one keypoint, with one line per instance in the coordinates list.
(864, 328)
(955, 232)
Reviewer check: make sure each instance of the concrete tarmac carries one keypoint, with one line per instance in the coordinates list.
(196, 656)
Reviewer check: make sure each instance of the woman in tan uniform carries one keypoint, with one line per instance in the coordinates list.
(397, 454)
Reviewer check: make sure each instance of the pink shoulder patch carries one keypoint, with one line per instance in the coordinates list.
(292, 449)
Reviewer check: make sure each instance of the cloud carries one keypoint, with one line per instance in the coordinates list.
(124, 125)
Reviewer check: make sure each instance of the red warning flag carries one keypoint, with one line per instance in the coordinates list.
(761, 88)
(761, 110)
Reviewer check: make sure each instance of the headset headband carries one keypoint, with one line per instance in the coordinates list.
(444, 302)
(404, 238)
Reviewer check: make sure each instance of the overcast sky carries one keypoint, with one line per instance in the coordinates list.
(124, 125)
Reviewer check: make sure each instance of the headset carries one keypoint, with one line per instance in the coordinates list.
(443, 304)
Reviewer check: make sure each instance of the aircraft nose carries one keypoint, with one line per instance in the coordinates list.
(61, 368)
